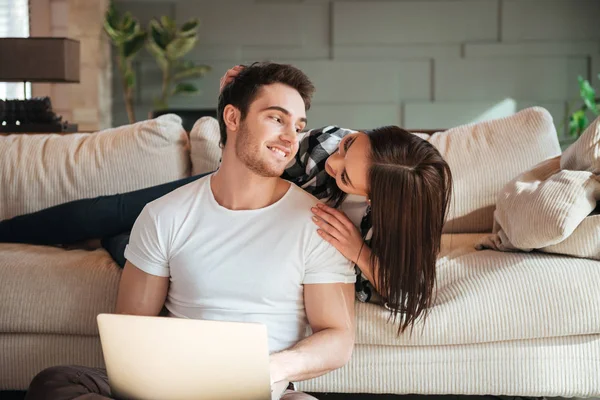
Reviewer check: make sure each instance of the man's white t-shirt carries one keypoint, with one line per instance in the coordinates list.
(245, 266)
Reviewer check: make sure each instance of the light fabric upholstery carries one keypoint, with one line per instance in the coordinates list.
(485, 156)
(78, 284)
(555, 367)
(584, 154)
(490, 296)
(583, 242)
(49, 300)
(29, 353)
(206, 152)
(39, 171)
(502, 323)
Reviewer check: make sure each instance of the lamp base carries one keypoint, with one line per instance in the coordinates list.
(39, 128)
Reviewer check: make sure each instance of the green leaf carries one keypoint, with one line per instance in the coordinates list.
(191, 25)
(587, 92)
(184, 88)
(132, 28)
(185, 64)
(591, 104)
(157, 35)
(114, 36)
(127, 23)
(159, 55)
(583, 123)
(168, 23)
(179, 47)
(572, 127)
(132, 46)
(192, 72)
(154, 23)
(111, 16)
(577, 123)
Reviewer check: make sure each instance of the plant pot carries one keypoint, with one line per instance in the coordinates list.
(189, 116)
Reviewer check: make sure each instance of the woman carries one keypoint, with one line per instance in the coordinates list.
(405, 181)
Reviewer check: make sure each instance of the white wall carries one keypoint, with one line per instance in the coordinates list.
(422, 64)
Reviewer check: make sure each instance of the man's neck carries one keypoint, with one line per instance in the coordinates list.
(235, 187)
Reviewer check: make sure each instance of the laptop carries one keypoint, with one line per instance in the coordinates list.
(179, 359)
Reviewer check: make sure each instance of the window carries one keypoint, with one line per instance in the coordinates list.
(14, 22)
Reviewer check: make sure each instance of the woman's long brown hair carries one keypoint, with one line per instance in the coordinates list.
(410, 190)
(410, 185)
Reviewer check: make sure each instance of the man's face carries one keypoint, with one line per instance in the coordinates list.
(267, 138)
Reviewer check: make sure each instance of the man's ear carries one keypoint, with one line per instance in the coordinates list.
(232, 117)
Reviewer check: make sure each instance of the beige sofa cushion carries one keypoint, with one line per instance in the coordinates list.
(206, 152)
(51, 290)
(39, 171)
(485, 156)
(490, 296)
(584, 154)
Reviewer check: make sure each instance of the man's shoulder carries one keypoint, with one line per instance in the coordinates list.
(301, 200)
(177, 199)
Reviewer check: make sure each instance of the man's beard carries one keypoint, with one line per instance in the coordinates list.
(249, 153)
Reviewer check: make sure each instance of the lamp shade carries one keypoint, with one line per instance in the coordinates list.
(39, 59)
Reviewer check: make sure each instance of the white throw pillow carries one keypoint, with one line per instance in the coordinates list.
(40, 171)
(206, 152)
(547, 209)
(584, 154)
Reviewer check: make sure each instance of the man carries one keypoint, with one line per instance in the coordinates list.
(239, 245)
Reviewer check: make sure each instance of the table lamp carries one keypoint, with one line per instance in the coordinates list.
(36, 59)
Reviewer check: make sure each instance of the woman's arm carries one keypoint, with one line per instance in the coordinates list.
(369, 272)
(337, 229)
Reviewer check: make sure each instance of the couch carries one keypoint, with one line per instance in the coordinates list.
(503, 323)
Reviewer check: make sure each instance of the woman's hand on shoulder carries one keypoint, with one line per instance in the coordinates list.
(336, 228)
(229, 76)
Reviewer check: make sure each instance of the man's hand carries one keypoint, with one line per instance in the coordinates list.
(230, 76)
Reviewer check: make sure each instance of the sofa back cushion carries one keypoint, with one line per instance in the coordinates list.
(205, 150)
(485, 156)
(40, 171)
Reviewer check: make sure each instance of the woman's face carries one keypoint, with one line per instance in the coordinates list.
(350, 164)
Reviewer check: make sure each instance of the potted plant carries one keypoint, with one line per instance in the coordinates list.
(128, 39)
(169, 44)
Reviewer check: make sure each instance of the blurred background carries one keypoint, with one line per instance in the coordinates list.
(421, 64)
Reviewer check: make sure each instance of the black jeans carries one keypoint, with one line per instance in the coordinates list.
(109, 218)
